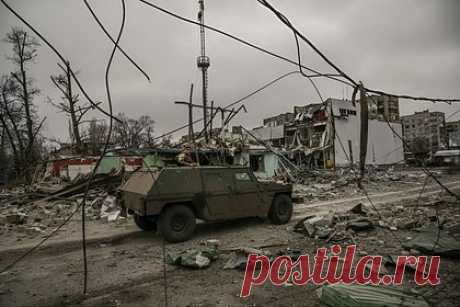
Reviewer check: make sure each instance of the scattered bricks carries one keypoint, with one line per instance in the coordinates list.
(310, 224)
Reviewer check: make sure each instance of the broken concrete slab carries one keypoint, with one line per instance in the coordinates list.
(360, 224)
(358, 209)
(435, 241)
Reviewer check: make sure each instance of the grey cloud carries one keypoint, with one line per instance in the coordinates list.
(409, 46)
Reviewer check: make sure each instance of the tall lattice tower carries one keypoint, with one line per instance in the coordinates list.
(203, 64)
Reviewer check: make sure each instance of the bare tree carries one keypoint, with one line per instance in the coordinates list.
(95, 135)
(133, 133)
(70, 104)
(420, 147)
(19, 114)
(10, 120)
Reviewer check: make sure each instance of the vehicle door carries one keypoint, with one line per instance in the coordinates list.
(218, 189)
(248, 194)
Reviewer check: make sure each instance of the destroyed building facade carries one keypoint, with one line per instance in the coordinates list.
(327, 135)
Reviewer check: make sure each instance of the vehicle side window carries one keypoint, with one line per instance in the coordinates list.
(242, 177)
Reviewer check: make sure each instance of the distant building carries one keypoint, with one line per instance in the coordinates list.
(384, 108)
(453, 134)
(424, 127)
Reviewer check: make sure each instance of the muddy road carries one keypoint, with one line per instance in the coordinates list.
(126, 267)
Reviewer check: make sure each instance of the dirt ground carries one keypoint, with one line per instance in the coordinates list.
(126, 267)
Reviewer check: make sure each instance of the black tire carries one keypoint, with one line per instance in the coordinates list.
(281, 209)
(177, 223)
(146, 222)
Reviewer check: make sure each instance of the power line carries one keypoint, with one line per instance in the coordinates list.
(273, 54)
(96, 18)
(425, 170)
(268, 84)
(61, 57)
(90, 180)
(297, 33)
(177, 16)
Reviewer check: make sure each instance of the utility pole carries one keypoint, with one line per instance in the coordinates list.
(203, 63)
(211, 120)
(190, 115)
(225, 120)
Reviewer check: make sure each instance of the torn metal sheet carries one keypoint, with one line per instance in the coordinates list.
(368, 296)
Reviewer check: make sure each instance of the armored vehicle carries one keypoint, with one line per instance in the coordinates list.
(172, 198)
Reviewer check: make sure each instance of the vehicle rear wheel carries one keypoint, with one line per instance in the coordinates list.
(177, 223)
(281, 209)
(146, 222)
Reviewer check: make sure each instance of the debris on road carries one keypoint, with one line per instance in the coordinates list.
(194, 258)
(435, 241)
(239, 256)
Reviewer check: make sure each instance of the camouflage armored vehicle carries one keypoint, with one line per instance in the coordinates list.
(174, 197)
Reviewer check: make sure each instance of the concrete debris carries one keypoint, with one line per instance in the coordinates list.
(239, 256)
(194, 258)
(360, 224)
(211, 243)
(434, 241)
(31, 216)
(358, 209)
(109, 209)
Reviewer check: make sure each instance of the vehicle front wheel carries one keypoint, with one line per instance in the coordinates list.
(281, 209)
(177, 223)
(146, 222)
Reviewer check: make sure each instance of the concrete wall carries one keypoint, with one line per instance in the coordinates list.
(384, 147)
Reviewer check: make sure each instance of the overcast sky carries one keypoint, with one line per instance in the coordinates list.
(400, 46)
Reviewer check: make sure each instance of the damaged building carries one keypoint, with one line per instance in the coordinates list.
(328, 135)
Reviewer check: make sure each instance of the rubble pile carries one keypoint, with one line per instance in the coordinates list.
(47, 205)
(198, 258)
(413, 219)
(326, 185)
